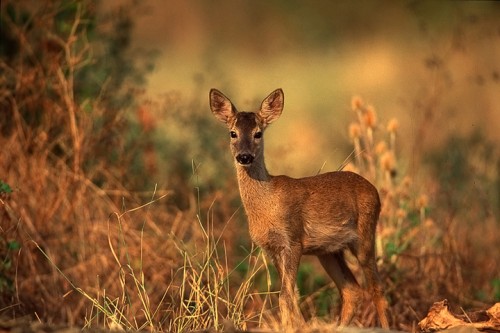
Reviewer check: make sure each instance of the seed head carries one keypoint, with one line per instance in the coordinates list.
(401, 213)
(354, 131)
(429, 223)
(380, 148)
(406, 181)
(370, 117)
(356, 103)
(423, 201)
(388, 161)
(392, 125)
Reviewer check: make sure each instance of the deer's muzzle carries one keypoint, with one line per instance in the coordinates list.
(244, 159)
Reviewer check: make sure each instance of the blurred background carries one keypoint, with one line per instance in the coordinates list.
(114, 173)
(433, 65)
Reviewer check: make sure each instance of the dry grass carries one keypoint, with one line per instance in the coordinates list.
(96, 263)
(423, 254)
(197, 295)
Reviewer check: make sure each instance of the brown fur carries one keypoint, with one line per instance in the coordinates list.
(321, 215)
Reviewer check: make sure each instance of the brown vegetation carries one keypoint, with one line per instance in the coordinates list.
(440, 318)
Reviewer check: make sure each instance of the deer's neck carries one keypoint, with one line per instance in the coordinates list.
(253, 181)
(259, 200)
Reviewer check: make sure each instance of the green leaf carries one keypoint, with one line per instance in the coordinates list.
(13, 245)
(391, 249)
(496, 289)
(4, 187)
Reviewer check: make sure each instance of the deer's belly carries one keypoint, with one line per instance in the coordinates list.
(325, 238)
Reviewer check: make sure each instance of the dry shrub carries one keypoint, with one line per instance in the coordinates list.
(425, 254)
(56, 153)
(79, 247)
(58, 209)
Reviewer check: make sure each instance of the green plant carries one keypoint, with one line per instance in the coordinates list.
(4, 188)
(496, 289)
(8, 248)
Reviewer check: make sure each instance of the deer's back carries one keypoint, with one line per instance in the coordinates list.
(325, 210)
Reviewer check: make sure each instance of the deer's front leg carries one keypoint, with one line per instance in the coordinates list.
(287, 260)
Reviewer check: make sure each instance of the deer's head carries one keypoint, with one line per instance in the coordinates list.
(246, 128)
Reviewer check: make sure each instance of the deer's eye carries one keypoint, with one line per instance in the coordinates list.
(257, 135)
(233, 134)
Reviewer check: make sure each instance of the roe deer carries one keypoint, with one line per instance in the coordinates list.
(321, 215)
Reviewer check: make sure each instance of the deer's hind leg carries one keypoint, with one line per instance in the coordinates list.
(365, 253)
(349, 289)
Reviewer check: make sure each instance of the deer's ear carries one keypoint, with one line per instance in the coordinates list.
(221, 106)
(272, 106)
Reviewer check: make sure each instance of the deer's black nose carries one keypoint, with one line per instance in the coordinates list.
(244, 159)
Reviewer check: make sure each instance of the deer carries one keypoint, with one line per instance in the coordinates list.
(323, 215)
